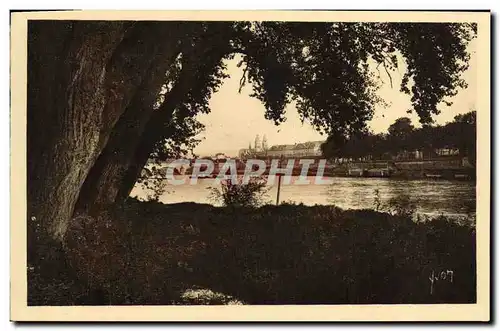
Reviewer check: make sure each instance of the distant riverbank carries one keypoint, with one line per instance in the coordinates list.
(452, 168)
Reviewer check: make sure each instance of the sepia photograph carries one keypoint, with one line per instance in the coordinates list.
(196, 165)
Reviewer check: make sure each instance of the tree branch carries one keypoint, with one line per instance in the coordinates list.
(243, 79)
(388, 74)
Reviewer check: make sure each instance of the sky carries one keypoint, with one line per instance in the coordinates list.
(236, 118)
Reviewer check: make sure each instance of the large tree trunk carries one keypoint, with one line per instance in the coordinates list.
(129, 147)
(100, 187)
(136, 135)
(66, 99)
(163, 121)
(81, 78)
(155, 130)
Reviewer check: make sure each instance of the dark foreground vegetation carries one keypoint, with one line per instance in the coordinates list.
(151, 253)
(104, 97)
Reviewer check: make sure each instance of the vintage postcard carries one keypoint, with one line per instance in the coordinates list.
(250, 166)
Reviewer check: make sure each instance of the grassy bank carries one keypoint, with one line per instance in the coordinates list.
(150, 253)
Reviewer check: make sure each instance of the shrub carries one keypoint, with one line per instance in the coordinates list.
(153, 182)
(235, 193)
(156, 190)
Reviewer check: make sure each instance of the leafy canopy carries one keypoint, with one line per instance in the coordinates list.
(322, 67)
(403, 136)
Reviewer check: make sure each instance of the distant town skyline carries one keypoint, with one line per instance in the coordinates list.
(236, 118)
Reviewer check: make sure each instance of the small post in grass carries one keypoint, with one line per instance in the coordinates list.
(279, 186)
(280, 163)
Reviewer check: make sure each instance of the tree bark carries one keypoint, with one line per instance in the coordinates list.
(141, 128)
(100, 187)
(77, 90)
(154, 132)
(136, 135)
(66, 99)
(163, 119)
(133, 140)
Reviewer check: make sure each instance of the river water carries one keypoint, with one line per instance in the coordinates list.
(431, 197)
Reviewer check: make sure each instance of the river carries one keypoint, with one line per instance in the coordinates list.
(431, 197)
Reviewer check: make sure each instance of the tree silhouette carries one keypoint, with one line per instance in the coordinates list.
(105, 96)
